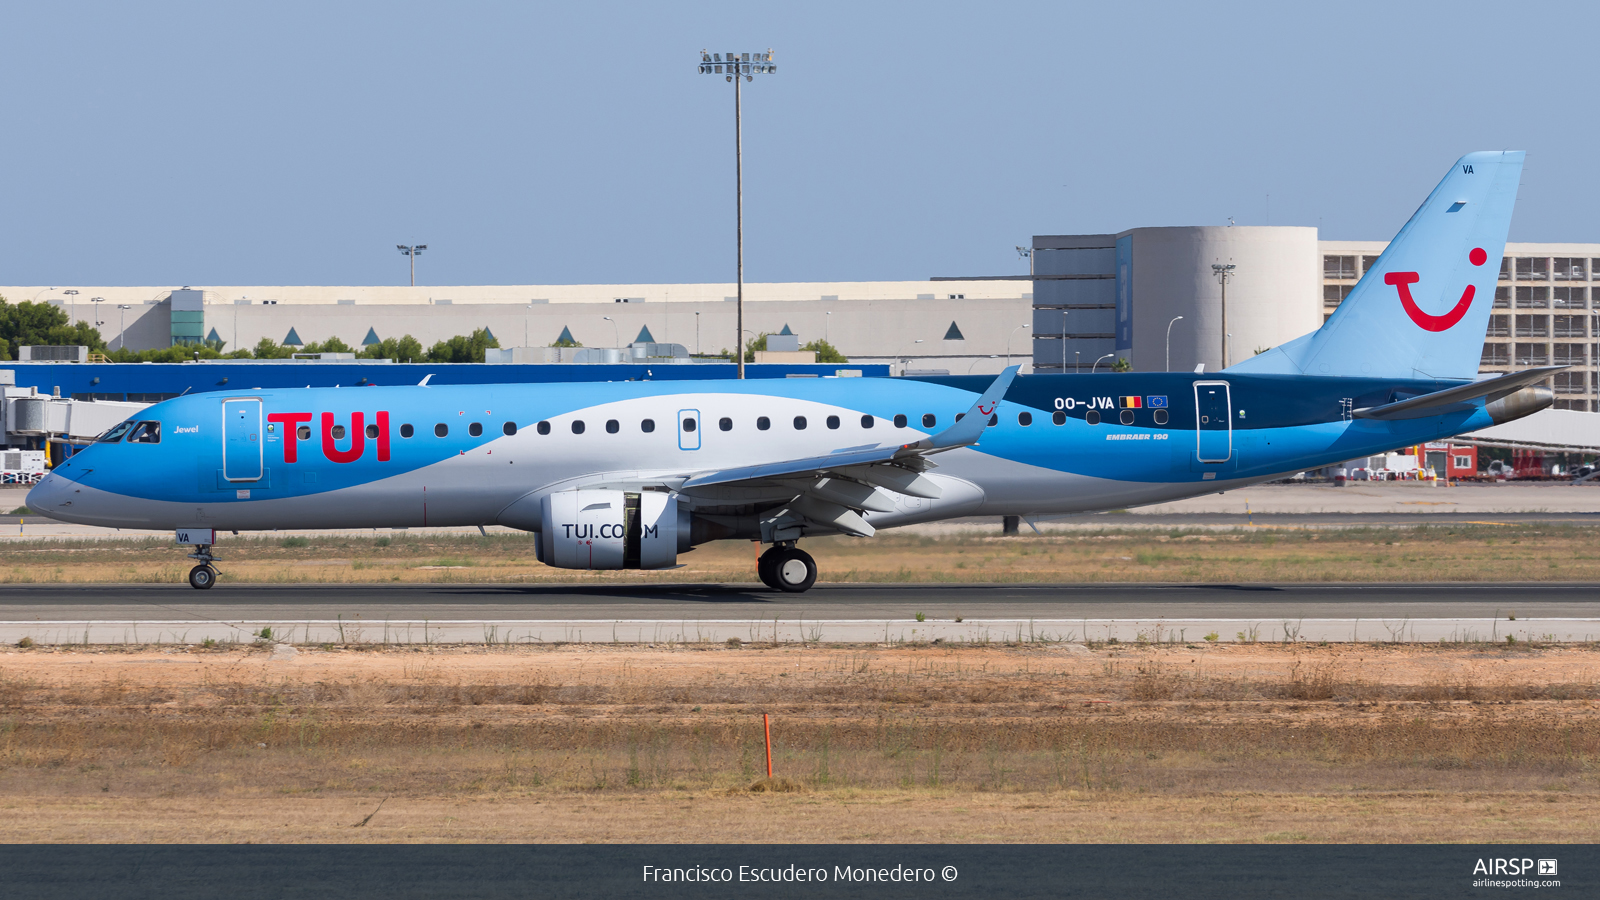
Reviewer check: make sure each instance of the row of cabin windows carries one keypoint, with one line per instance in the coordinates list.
(407, 430)
(929, 420)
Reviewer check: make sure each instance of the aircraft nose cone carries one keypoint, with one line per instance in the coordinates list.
(48, 494)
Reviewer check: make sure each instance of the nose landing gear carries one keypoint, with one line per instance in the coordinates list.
(203, 576)
(787, 568)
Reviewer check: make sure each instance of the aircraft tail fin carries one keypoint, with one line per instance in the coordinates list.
(1421, 311)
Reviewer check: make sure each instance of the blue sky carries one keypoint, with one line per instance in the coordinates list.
(297, 143)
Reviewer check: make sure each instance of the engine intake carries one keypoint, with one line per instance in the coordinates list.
(612, 530)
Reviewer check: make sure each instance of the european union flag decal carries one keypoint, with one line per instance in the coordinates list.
(1156, 402)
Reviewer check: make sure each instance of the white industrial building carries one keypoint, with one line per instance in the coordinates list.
(1089, 300)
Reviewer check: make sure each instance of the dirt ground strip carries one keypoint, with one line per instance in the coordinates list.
(1483, 551)
(871, 743)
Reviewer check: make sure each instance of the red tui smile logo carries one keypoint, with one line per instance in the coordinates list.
(1403, 282)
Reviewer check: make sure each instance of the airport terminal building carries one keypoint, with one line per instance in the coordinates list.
(1150, 296)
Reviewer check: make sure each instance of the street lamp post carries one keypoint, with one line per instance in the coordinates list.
(738, 66)
(72, 305)
(697, 332)
(122, 325)
(1224, 274)
(616, 334)
(1169, 341)
(1008, 340)
(97, 301)
(1097, 362)
(412, 251)
(905, 361)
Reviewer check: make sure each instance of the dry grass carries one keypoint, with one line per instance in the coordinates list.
(1417, 553)
(871, 744)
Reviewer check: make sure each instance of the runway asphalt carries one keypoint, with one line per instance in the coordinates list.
(416, 613)
(835, 601)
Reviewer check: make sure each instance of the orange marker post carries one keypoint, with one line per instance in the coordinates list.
(766, 725)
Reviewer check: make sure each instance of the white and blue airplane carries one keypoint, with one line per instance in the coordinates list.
(631, 475)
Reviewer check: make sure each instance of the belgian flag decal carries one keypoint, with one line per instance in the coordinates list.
(1132, 402)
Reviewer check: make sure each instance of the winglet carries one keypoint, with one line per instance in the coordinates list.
(969, 427)
(424, 381)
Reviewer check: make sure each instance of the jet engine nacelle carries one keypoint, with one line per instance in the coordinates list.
(611, 530)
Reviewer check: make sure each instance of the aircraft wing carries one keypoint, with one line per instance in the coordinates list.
(833, 490)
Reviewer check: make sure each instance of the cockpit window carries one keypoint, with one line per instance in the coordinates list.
(146, 433)
(116, 433)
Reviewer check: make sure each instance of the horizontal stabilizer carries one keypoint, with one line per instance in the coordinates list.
(1451, 399)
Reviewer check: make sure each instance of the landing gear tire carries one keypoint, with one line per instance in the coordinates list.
(764, 568)
(202, 577)
(793, 570)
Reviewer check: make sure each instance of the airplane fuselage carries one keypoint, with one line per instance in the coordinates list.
(483, 454)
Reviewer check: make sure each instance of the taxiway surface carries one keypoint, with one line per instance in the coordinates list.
(418, 613)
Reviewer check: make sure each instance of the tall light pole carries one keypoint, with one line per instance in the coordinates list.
(1169, 341)
(72, 305)
(697, 332)
(122, 325)
(1224, 274)
(616, 333)
(737, 67)
(1008, 340)
(525, 316)
(412, 251)
(1097, 362)
(97, 301)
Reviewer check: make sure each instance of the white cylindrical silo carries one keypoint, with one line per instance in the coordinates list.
(1274, 294)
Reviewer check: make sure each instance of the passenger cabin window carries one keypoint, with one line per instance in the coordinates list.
(1161, 417)
(799, 423)
(647, 426)
(1092, 417)
(833, 422)
(688, 424)
(304, 432)
(1126, 417)
(725, 423)
(1060, 418)
(405, 430)
(868, 421)
(338, 432)
(763, 423)
(900, 421)
(475, 429)
(148, 433)
(508, 429)
(577, 426)
(929, 420)
(1024, 419)
(542, 428)
(441, 429)
(116, 433)
(372, 431)
(613, 426)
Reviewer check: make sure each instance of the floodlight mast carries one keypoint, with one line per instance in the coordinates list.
(1224, 273)
(747, 66)
(412, 250)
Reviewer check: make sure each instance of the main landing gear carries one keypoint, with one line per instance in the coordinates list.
(203, 576)
(785, 567)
